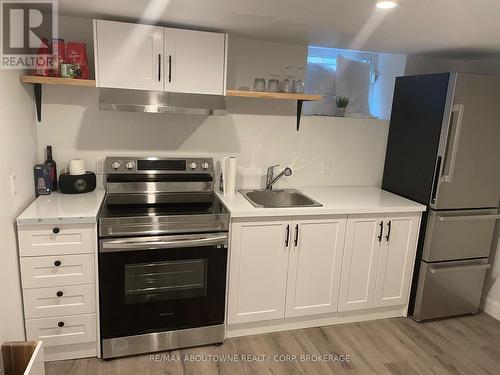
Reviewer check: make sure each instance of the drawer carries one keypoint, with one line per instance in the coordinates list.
(57, 270)
(449, 288)
(452, 235)
(57, 301)
(56, 239)
(62, 330)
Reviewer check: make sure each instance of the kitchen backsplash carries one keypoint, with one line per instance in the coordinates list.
(327, 151)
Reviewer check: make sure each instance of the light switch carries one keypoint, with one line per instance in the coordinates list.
(13, 189)
(326, 167)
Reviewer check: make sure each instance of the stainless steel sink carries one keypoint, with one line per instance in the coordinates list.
(278, 198)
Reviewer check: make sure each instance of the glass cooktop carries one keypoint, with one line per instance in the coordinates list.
(130, 205)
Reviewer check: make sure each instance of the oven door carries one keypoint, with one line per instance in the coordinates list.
(163, 283)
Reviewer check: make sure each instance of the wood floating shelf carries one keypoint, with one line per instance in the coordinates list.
(300, 98)
(272, 95)
(38, 81)
(57, 81)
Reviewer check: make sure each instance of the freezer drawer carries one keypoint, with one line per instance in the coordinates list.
(453, 235)
(449, 288)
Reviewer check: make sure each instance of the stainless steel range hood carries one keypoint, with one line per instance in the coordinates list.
(161, 102)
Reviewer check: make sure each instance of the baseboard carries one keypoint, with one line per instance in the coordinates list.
(276, 325)
(492, 308)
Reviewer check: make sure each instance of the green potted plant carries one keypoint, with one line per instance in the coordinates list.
(341, 102)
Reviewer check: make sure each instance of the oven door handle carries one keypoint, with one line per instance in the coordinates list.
(155, 243)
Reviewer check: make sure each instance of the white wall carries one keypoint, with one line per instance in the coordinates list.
(423, 65)
(75, 128)
(18, 149)
(258, 132)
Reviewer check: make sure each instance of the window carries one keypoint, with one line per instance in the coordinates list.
(328, 56)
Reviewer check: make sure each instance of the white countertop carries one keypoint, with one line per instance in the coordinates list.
(58, 208)
(335, 200)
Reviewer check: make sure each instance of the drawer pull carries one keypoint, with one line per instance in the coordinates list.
(59, 294)
(57, 263)
(56, 230)
(60, 324)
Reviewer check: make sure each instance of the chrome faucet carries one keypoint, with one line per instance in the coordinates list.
(271, 180)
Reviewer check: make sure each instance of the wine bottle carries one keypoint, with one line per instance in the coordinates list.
(53, 168)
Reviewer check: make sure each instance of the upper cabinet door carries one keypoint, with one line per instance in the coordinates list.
(360, 261)
(128, 56)
(396, 261)
(257, 271)
(195, 62)
(315, 265)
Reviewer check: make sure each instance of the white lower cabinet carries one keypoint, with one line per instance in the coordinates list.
(396, 261)
(257, 278)
(58, 277)
(283, 268)
(314, 266)
(299, 266)
(378, 260)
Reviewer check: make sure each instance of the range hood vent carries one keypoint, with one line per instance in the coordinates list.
(161, 102)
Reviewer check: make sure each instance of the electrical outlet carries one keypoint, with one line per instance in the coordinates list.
(13, 187)
(99, 166)
(326, 167)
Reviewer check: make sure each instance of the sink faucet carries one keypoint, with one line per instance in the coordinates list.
(271, 180)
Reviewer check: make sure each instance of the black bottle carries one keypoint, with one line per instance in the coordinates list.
(52, 168)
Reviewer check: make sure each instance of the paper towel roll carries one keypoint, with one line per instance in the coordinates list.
(229, 176)
(76, 167)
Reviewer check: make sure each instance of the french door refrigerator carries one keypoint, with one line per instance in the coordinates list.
(443, 151)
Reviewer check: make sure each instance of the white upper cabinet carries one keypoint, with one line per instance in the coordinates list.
(359, 265)
(195, 61)
(257, 272)
(315, 266)
(128, 56)
(397, 255)
(145, 57)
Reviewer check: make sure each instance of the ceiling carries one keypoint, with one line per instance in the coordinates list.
(440, 28)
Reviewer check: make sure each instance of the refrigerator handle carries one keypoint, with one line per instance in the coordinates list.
(451, 152)
(436, 270)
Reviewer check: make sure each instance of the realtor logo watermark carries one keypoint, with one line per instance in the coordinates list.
(26, 25)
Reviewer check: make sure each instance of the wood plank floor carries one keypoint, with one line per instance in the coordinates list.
(466, 345)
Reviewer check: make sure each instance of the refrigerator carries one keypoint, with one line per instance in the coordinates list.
(443, 151)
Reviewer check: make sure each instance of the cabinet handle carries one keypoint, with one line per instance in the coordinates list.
(287, 238)
(169, 68)
(159, 67)
(60, 324)
(56, 230)
(57, 263)
(388, 231)
(59, 294)
(381, 224)
(296, 241)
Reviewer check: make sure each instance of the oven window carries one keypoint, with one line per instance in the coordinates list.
(166, 280)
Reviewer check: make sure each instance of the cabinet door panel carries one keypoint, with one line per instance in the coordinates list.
(258, 266)
(128, 56)
(359, 264)
(195, 61)
(315, 266)
(397, 256)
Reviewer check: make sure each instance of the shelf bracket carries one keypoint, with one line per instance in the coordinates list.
(37, 88)
(299, 112)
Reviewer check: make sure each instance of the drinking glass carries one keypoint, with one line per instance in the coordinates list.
(259, 84)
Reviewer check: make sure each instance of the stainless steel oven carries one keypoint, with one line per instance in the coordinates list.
(162, 261)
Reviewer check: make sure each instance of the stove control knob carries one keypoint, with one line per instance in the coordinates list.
(204, 165)
(116, 165)
(193, 165)
(130, 165)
